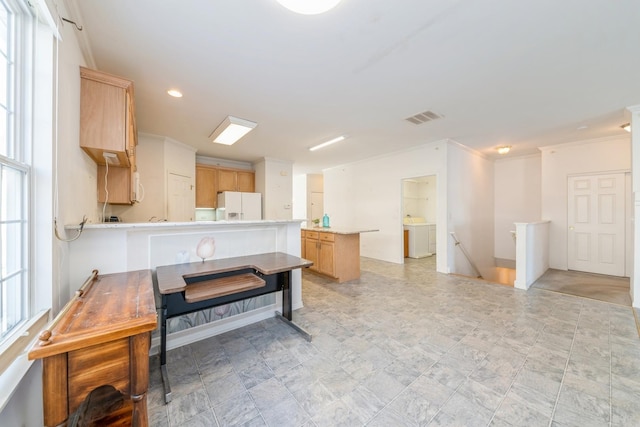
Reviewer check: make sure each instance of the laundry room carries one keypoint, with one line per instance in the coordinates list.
(419, 202)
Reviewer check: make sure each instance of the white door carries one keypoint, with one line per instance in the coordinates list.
(317, 205)
(181, 202)
(596, 219)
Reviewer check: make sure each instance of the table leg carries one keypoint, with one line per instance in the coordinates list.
(139, 354)
(163, 350)
(287, 310)
(54, 389)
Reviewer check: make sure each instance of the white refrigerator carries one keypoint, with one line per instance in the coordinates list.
(235, 206)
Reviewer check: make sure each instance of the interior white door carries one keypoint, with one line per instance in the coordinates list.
(596, 219)
(180, 200)
(317, 205)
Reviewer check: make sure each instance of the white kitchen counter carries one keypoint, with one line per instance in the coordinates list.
(117, 247)
(182, 225)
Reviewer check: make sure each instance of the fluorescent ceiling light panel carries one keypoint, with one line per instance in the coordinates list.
(309, 7)
(231, 129)
(324, 144)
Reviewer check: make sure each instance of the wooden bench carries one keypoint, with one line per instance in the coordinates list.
(186, 288)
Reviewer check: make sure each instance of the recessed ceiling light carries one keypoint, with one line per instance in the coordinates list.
(175, 93)
(309, 7)
(324, 144)
(504, 149)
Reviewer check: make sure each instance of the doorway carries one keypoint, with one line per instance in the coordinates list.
(317, 205)
(180, 198)
(596, 219)
(419, 215)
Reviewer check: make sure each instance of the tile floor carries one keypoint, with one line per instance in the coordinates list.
(595, 286)
(406, 346)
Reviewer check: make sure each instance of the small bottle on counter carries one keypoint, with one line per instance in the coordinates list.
(325, 221)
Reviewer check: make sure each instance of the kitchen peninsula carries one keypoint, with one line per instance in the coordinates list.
(335, 252)
(119, 247)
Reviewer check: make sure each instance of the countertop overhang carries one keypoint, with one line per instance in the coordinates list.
(169, 225)
(339, 230)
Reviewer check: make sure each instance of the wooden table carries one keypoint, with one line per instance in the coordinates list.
(190, 287)
(95, 356)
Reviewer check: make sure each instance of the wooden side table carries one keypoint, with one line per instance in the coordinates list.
(98, 347)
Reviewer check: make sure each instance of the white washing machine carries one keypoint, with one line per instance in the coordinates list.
(421, 239)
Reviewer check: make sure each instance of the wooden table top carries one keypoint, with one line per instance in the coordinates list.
(114, 306)
(171, 278)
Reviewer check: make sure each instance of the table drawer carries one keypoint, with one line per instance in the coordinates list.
(311, 234)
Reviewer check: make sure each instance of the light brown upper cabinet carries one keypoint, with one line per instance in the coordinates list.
(206, 186)
(107, 117)
(236, 180)
(211, 180)
(227, 180)
(246, 181)
(108, 125)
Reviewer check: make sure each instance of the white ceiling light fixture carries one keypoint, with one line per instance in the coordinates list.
(175, 93)
(324, 144)
(504, 149)
(626, 127)
(309, 7)
(231, 130)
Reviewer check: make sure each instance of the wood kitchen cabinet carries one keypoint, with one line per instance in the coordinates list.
(206, 187)
(333, 254)
(107, 117)
(107, 125)
(119, 185)
(211, 180)
(236, 180)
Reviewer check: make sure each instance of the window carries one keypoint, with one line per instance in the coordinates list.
(14, 166)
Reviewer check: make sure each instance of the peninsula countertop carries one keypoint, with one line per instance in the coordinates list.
(170, 225)
(339, 230)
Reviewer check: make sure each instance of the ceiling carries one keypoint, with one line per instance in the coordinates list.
(524, 73)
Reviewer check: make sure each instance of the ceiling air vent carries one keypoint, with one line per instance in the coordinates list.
(423, 117)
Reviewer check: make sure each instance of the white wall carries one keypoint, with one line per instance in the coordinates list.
(75, 197)
(299, 202)
(150, 162)
(635, 200)
(560, 161)
(517, 188)
(420, 198)
(470, 210)
(276, 188)
(156, 157)
(368, 195)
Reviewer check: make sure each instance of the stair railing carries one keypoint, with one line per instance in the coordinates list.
(466, 254)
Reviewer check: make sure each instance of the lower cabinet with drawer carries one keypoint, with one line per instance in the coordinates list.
(333, 254)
